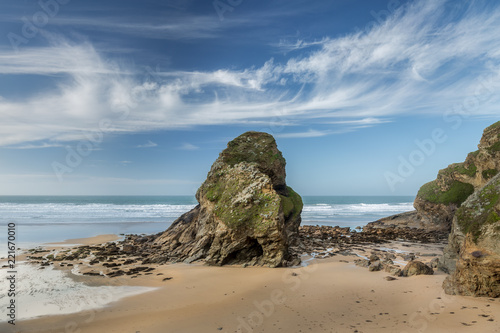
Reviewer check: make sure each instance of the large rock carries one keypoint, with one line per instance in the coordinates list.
(246, 213)
(472, 255)
(438, 200)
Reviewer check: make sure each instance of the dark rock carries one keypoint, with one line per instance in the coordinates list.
(116, 273)
(129, 248)
(393, 269)
(409, 257)
(92, 273)
(375, 266)
(434, 263)
(362, 262)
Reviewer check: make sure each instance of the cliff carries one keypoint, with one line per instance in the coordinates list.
(437, 201)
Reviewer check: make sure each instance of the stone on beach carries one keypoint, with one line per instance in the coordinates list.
(246, 212)
(416, 267)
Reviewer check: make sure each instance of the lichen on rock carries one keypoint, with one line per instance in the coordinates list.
(247, 214)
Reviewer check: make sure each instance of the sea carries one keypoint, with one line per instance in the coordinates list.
(44, 219)
(34, 220)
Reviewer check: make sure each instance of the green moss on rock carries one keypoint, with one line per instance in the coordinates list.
(259, 148)
(292, 204)
(495, 147)
(457, 193)
(469, 169)
(474, 153)
(488, 174)
(493, 127)
(479, 211)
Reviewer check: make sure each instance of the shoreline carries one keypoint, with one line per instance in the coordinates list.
(327, 295)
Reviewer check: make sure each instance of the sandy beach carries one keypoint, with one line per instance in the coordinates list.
(327, 295)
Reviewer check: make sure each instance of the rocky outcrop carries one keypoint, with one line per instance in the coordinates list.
(438, 200)
(246, 213)
(472, 255)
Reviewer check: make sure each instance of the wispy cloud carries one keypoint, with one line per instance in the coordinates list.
(286, 45)
(149, 144)
(36, 146)
(172, 28)
(307, 134)
(188, 146)
(421, 60)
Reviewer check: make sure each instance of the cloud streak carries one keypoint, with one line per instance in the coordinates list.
(149, 144)
(188, 146)
(421, 60)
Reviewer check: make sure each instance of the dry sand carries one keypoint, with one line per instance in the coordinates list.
(328, 295)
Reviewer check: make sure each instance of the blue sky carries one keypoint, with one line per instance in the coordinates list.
(139, 97)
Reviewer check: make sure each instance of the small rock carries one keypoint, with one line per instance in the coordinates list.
(375, 266)
(416, 267)
(362, 262)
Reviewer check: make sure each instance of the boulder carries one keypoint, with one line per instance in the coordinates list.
(416, 267)
(472, 255)
(246, 213)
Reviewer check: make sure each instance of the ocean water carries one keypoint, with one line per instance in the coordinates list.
(41, 219)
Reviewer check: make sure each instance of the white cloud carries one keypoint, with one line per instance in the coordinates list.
(299, 44)
(422, 60)
(36, 146)
(188, 146)
(181, 27)
(149, 144)
(308, 134)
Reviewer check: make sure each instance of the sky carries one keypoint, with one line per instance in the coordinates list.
(129, 97)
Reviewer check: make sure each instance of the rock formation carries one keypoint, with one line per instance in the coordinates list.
(437, 201)
(246, 213)
(472, 255)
